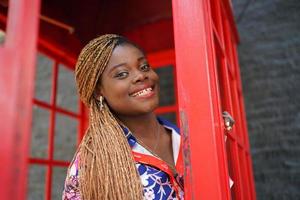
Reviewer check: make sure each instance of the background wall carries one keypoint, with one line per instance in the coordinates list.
(269, 54)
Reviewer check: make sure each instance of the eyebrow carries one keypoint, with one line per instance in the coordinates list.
(121, 64)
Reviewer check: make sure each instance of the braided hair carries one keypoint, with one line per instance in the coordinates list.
(106, 166)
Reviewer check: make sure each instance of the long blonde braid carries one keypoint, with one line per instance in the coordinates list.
(106, 165)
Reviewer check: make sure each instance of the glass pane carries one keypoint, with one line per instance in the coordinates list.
(221, 76)
(66, 91)
(236, 111)
(249, 175)
(36, 182)
(58, 179)
(2, 37)
(65, 137)
(231, 167)
(166, 83)
(39, 134)
(169, 116)
(244, 175)
(228, 40)
(43, 76)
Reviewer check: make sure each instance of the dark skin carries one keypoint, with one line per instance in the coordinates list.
(130, 88)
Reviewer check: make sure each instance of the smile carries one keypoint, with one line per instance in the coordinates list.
(143, 92)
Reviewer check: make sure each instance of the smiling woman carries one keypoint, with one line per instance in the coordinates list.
(127, 152)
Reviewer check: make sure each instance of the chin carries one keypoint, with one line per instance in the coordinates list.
(135, 108)
(147, 108)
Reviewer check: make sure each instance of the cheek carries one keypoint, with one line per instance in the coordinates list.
(116, 94)
(155, 78)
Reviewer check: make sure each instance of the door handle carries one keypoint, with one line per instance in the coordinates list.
(228, 120)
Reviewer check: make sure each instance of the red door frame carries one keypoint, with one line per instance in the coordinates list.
(201, 103)
(17, 61)
(196, 101)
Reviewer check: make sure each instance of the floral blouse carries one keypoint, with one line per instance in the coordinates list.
(156, 177)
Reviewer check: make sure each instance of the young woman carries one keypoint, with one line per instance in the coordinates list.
(127, 152)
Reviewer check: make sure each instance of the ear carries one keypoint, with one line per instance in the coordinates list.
(98, 91)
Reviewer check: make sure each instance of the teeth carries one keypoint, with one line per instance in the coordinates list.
(142, 92)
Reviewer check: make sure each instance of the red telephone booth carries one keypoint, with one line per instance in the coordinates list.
(193, 43)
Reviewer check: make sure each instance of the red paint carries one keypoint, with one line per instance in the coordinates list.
(17, 60)
(56, 109)
(195, 100)
(208, 82)
(150, 39)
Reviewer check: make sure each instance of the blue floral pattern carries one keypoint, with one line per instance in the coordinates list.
(156, 183)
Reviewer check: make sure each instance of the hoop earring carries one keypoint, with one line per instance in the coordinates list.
(101, 102)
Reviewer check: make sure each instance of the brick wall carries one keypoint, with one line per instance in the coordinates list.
(269, 54)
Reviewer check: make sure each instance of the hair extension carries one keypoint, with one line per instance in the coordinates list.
(106, 166)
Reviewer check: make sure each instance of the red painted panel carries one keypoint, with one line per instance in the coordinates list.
(17, 61)
(208, 83)
(196, 100)
(153, 37)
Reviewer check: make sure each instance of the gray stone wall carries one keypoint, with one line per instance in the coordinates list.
(269, 54)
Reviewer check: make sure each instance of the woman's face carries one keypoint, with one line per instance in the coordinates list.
(128, 84)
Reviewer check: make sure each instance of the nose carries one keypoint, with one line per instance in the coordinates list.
(139, 76)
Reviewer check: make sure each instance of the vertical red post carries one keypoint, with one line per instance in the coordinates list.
(17, 67)
(196, 100)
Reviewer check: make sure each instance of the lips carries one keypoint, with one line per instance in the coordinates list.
(142, 92)
(145, 91)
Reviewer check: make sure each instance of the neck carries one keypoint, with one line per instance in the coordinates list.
(141, 126)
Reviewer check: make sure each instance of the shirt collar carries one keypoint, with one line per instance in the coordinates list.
(132, 140)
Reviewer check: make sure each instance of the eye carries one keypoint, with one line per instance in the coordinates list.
(121, 75)
(145, 67)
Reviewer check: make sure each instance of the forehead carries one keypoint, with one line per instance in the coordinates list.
(124, 53)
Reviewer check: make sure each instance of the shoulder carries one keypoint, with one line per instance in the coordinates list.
(74, 166)
(71, 187)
